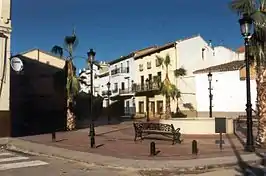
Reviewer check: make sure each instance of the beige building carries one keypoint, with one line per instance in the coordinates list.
(147, 72)
(5, 35)
(37, 103)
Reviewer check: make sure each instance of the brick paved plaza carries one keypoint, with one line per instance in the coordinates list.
(117, 141)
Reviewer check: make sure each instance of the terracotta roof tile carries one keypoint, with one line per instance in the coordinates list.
(230, 66)
(240, 49)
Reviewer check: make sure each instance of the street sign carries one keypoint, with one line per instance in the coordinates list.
(16, 64)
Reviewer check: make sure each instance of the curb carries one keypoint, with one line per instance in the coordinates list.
(181, 166)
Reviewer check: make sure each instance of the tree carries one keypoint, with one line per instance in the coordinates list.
(68, 74)
(168, 89)
(256, 10)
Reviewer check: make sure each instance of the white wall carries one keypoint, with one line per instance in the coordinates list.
(229, 93)
(86, 73)
(121, 77)
(190, 57)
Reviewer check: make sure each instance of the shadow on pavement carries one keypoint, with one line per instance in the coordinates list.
(244, 167)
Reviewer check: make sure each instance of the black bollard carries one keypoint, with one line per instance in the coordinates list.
(194, 147)
(53, 136)
(152, 149)
(92, 135)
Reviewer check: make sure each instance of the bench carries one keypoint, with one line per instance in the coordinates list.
(142, 128)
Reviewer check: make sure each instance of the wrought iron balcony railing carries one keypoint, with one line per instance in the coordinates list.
(127, 90)
(150, 86)
(120, 70)
(115, 90)
(105, 93)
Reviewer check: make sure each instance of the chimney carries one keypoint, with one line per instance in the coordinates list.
(210, 43)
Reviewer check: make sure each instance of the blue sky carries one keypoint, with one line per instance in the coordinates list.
(117, 27)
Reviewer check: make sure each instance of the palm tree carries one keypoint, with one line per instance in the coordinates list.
(72, 83)
(178, 73)
(256, 10)
(168, 89)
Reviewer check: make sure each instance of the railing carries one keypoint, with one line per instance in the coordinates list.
(129, 110)
(120, 70)
(148, 86)
(125, 70)
(127, 90)
(115, 90)
(115, 71)
(105, 93)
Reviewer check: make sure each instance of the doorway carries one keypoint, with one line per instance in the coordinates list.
(153, 108)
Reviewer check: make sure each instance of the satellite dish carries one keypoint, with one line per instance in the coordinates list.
(16, 64)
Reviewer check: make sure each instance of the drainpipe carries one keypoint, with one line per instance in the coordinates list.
(5, 62)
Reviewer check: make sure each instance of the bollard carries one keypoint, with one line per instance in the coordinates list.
(92, 135)
(264, 159)
(53, 137)
(194, 147)
(152, 149)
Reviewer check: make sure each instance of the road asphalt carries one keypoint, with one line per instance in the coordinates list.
(21, 164)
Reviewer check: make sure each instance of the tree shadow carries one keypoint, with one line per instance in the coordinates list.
(100, 115)
(244, 167)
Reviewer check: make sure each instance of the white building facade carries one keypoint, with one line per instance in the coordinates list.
(195, 53)
(228, 89)
(5, 38)
(122, 73)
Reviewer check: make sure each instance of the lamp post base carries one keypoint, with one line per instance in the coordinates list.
(249, 148)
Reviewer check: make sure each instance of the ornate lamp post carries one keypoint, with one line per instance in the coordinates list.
(210, 93)
(245, 27)
(108, 101)
(91, 54)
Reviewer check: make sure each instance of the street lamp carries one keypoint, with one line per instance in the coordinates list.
(245, 27)
(91, 55)
(210, 93)
(108, 101)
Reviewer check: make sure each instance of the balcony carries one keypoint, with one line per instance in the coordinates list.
(115, 91)
(105, 93)
(150, 87)
(120, 70)
(129, 90)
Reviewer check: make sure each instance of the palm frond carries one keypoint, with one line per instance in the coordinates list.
(167, 60)
(178, 94)
(189, 106)
(180, 72)
(58, 50)
(243, 6)
(160, 60)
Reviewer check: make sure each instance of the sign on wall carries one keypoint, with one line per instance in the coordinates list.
(16, 64)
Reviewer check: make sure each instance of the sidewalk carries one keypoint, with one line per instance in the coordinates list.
(203, 163)
(118, 150)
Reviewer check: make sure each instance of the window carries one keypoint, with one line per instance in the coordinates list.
(157, 62)
(140, 67)
(115, 87)
(141, 107)
(150, 81)
(159, 74)
(159, 107)
(148, 65)
(123, 86)
(127, 66)
(202, 53)
(142, 82)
